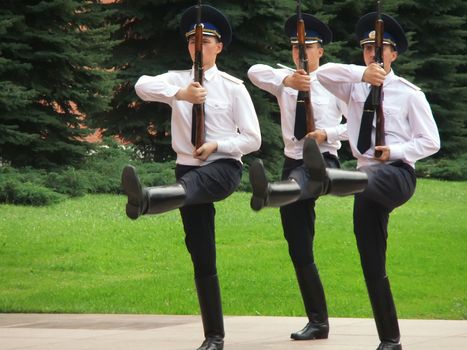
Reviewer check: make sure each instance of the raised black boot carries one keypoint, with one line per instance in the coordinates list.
(331, 181)
(280, 193)
(343, 182)
(209, 297)
(318, 181)
(149, 200)
(270, 194)
(315, 304)
(384, 312)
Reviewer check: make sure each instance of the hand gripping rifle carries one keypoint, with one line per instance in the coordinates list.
(377, 91)
(303, 64)
(198, 109)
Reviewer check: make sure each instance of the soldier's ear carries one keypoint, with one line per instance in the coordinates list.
(220, 47)
(321, 51)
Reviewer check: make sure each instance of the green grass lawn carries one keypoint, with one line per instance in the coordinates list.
(84, 255)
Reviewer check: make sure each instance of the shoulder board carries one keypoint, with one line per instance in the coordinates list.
(408, 83)
(231, 78)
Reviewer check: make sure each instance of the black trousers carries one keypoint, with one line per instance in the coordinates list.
(205, 185)
(389, 186)
(298, 218)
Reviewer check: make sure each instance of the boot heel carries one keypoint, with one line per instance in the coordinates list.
(259, 184)
(314, 160)
(133, 189)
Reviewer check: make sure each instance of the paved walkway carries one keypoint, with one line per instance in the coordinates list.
(141, 332)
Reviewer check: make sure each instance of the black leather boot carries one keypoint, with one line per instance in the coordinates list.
(209, 297)
(321, 181)
(277, 194)
(314, 160)
(149, 200)
(333, 181)
(315, 304)
(343, 182)
(384, 312)
(274, 194)
(389, 346)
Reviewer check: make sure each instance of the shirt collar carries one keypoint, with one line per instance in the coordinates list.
(208, 74)
(313, 75)
(389, 77)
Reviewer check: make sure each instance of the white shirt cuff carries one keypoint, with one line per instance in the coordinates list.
(223, 147)
(357, 73)
(331, 135)
(396, 152)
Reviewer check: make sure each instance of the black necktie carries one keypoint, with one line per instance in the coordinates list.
(364, 136)
(300, 116)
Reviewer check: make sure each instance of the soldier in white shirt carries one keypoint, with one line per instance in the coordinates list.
(207, 174)
(410, 134)
(297, 193)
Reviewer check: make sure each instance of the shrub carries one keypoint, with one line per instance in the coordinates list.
(156, 174)
(101, 172)
(27, 193)
(68, 181)
(349, 164)
(103, 167)
(446, 169)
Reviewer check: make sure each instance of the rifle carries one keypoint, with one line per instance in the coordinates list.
(198, 109)
(377, 91)
(303, 64)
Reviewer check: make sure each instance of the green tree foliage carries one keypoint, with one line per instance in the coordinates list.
(150, 45)
(51, 59)
(50, 51)
(436, 62)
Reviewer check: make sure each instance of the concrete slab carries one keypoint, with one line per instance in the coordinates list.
(144, 332)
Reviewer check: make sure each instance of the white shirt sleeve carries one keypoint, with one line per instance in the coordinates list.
(249, 137)
(338, 78)
(267, 78)
(157, 88)
(425, 139)
(337, 133)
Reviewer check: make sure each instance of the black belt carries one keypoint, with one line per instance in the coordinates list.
(401, 164)
(330, 156)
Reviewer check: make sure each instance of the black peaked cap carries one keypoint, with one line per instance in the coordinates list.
(210, 15)
(392, 30)
(313, 28)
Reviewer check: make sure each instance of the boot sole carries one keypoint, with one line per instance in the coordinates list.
(309, 338)
(132, 188)
(259, 184)
(314, 160)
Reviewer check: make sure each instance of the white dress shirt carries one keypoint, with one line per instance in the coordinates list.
(230, 117)
(410, 129)
(327, 109)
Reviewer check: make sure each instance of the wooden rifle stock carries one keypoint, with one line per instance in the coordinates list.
(303, 64)
(378, 90)
(198, 77)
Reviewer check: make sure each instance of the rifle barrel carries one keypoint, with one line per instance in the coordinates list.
(303, 64)
(378, 90)
(198, 109)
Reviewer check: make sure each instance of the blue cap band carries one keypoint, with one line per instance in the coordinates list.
(370, 38)
(310, 37)
(208, 29)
